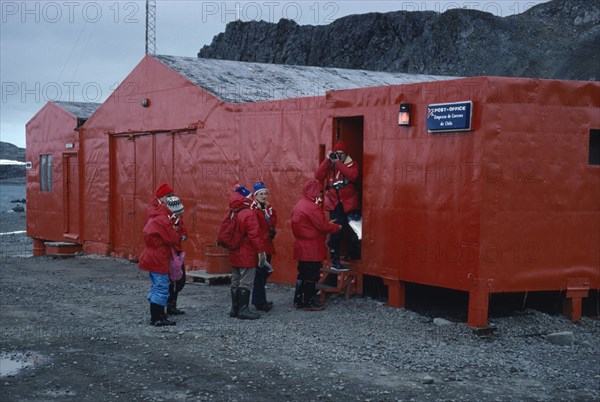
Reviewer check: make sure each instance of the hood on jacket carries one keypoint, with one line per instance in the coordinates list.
(156, 208)
(238, 201)
(312, 190)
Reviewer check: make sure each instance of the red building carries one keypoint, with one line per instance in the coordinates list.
(494, 186)
(53, 181)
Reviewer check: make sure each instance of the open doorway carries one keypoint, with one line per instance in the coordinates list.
(350, 131)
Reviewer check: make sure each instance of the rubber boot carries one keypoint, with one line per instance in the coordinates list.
(158, 318)
(172, 305)
(299, 294)
(243, 299)
(234, 302)
(310, 297)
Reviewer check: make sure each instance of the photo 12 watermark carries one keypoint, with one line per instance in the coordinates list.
(498, 8)
(67, 91)
(301, 12)
(52, 12)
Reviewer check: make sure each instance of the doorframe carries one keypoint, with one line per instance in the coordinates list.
(66, 204)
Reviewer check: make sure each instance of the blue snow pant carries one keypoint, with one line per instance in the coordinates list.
(159, 292)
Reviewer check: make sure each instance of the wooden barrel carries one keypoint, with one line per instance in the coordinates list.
(217, 260)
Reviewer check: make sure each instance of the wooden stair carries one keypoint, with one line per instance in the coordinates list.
(346, 282)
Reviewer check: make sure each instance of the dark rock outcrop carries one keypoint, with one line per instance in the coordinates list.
(11, 152)
(559, 39)
(10, 173)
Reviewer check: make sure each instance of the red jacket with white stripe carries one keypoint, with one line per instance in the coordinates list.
(340, 172)
(265, 225)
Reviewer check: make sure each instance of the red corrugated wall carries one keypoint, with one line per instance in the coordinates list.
(511, 205)
(48, 133)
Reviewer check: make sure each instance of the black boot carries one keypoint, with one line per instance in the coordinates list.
(311, 302)
(299, 294)
(336, 265)
(172, 305)
(266, 307)
(243, 299)
(158, 318)
(234, 302)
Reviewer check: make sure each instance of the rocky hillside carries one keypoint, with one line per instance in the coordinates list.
(559, 39)
(11, 152)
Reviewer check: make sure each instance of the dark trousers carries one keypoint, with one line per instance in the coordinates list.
(309, 270)
(335, 239)
(259, 294)
(309, 273)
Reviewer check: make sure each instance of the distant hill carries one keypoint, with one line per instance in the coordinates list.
(11, 152)
(559, 39)
(12, 173)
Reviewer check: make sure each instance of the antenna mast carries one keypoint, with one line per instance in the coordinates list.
(150, 26)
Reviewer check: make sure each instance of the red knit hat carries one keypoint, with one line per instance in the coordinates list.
(163, 190)
(340, 146)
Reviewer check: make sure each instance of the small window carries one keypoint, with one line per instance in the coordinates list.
(594, 147)
(46, 172)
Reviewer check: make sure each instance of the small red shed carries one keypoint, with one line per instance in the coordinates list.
(53, 185)
(493, 186)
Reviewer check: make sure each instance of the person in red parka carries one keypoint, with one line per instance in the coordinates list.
(310, 228)
(342, 199)
(247, 257)
(267, 221)
(160, 236)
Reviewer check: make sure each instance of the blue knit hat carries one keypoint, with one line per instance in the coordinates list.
(259, 186)
(242, 190)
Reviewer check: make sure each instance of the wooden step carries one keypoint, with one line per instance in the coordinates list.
(62, 249)
(203, 277)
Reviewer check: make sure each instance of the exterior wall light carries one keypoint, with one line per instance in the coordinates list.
(404, 114)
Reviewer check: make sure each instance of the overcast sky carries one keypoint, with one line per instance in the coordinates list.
(81, 50)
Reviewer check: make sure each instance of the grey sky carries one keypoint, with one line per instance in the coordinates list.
(81, 50)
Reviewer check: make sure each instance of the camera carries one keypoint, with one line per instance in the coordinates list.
(340, 183)
(333, 155)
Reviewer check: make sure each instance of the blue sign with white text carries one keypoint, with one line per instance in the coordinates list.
(455, 116)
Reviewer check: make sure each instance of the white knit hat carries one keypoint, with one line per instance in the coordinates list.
(174, 204)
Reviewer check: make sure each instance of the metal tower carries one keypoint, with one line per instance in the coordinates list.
(150, 26)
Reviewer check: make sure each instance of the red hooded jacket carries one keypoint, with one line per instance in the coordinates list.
(159, 237)
(310, 226)
(247, 255)
(264, 225)
(339, 172)
(181, 228)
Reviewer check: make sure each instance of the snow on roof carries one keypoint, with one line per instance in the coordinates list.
(237, 81)
(82, 110)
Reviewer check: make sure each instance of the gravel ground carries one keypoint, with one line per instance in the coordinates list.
(80, 328)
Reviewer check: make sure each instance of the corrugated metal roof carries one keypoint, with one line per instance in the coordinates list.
(237, 81)
(81, 110)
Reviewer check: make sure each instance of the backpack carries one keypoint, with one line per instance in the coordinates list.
(230, 236)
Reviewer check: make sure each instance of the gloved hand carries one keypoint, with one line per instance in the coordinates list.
(262, 258)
